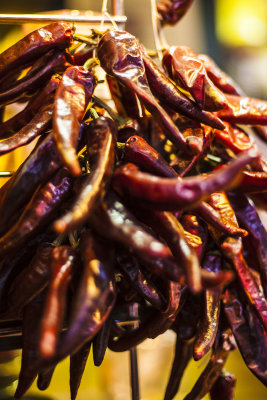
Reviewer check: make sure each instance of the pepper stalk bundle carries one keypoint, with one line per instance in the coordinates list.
(104, 214)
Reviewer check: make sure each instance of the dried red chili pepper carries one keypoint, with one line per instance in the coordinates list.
(38, 213)
(171, 194)
(100, 137)
(72, 96)
(188, 71)
(62, 263)
(253, 182)
(36, 127)
(223, 388)
(77, 365)
(234, 138)
(171, 11)
(44, 378)
(55, 35)
(100, 342)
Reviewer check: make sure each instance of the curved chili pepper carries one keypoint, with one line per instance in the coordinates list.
(36, 169)
(56, 35)
(224, 386)
(62, 263)
(249, 334)
(210, 312)
(253, 181)
(38, 213)
(77, 365)
(188, 71)
(14, 124)
(248, 217)
(120, 56)
(213, 369)
(72, 96)
(101, 135)
(95, 296)
(36, 127)
(44, 378)
(234, 138)
(182, 356)
(171, 11)
(100, 342)
(196, 233)
(129, 265)
(27, 87)
(170, 194)
(244, 110)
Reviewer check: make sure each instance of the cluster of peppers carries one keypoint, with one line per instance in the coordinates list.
(153, 205)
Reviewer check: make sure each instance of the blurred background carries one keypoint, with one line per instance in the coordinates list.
(234, 34)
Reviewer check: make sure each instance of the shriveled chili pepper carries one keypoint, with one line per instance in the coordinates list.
(253, 181)
(213, 369)
(14, 124)
(129, 265)
(188, 71)
(171, 194)
(169, 228)
(33, 279)
(194, 226)
(62, 263)
(100, 136)
(36, 169)
(100, 342)
(44, 378)
(248, 217)
(224, 386)
(77, 365)
(249, 334)
(234, 138)
(120, 56)
(55, 35)
(171, 11)
(72, 96)
(39, 212)
(95, 296)
(36, 127)
(27, 87)
(169, 94)
(210, 312)
(30, 327)
(182, 355)
(244, 110)
(82, 53)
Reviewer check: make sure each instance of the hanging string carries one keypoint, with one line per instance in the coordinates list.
(159, 39)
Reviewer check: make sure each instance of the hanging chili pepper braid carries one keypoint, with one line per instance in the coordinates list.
(136, 205)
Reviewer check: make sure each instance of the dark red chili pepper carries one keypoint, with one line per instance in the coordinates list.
(82, 53)
(14, 124)
(219, 77)
(36, 169)
(248, 217)
(62, 263)
(171, 11)
(72, 96)
(100, 342)
(213, 369)
(44, 378)
(95, 296)
(244, 110)
(188, 71)
(36, 127)
(182, 356)
(120, 56)
(33, 279)
(171, 194)
(30, 327)
(210, 312)
(77, 365)
(38, 213)
(101, 137)
(27, 87)
(249, 334)
(224, 386)
(169, 94)
(253, 182)
(131, 269)
(56, 35)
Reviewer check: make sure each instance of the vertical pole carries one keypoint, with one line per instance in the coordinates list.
(133, 359)
(118, 9)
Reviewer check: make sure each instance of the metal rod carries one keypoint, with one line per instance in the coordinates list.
(118, 9)
(134, 374)
(24, 18)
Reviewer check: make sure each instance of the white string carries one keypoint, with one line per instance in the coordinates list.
(159, 40)
(103, 12)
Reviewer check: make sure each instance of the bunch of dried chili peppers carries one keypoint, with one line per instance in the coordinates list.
(153, 205)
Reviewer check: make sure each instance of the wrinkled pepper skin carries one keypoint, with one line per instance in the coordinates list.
(171, 11)
(55, 35)
(101, 139)
(72, 96)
